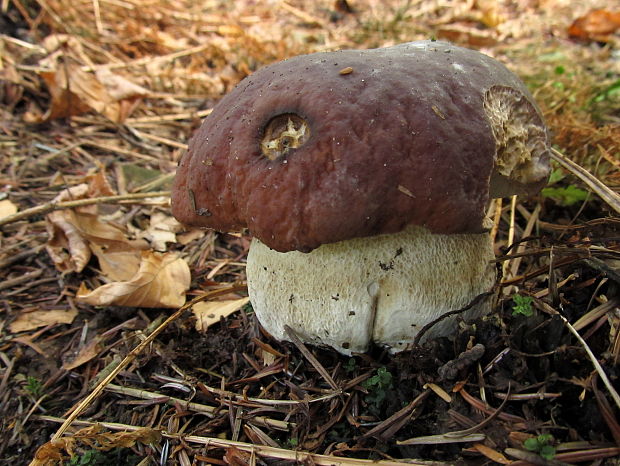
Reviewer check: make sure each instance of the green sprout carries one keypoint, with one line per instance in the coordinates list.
(378, 386)
(33, 386)
(563, 195)
(350, 365)
(522, 306)
(292, 443)
(116, 456)
(541, 445)
(611, 91)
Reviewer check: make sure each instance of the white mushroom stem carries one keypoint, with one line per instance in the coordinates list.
(383, 288)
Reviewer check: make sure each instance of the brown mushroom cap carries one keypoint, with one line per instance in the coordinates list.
(331, 146)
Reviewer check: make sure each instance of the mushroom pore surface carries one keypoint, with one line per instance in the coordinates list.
(302, 153)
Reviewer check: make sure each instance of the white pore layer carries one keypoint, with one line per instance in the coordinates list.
(382, 289)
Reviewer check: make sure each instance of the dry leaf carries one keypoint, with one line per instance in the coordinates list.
(66, 246)
(7, 208)
(75, 91)
(461, 34)
(162, 230)
(117, 261)
(69, 87)
(493, 455)
(87, 353)
(70, 235)
(55, 451)
(209, 313)
(61, 44)
(189, 236)
(31, 320)
(118, 87)
(596, 25)
(98, 184)
(74, 234)
(161, 281)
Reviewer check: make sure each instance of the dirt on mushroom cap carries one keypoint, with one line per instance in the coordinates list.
(404, 139)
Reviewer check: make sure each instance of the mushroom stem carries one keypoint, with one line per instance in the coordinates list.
(383, 288)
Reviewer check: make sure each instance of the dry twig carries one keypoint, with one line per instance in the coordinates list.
(52, 206)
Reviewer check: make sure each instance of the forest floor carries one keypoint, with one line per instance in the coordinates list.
(98, 100)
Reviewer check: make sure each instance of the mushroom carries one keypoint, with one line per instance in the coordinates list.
(364, 177)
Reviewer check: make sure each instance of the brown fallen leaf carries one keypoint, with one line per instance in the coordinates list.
(185, 238)
(75, 91)
(162, 229)
(118, 87)
(492, 454)
(118, 261)
(209, 313)
(75, 234)
(67, 85)
(468, 35)
(161, 281)
(55, 451)
(35, 319)
(87, 353)
(597, 25)
(71, 234)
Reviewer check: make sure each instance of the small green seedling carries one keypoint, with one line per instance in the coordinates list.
(116, 456)
(378, 386)
(567, 195)
(563, 195)
(611, 91)
(541, 445)
(34, 386)
(522, 306)
(350, 365)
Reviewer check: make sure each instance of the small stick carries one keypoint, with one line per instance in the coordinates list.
(52, 206)
(299, 457)
(486, 421)
(474, 302)
(511, 234)
(170, 117)
(207, 410)
(21, 279)
(598, 187)
(531, 221)
(496, 219)
(597, 366)
(77, 410)
(310, 357)
(397, 416)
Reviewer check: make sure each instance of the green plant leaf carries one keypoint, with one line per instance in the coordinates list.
(547, 452)
(567, 196)
(556, 175)
(545, 439)
(522, 306)
(350, 365)
(609, 91)
(531, 444)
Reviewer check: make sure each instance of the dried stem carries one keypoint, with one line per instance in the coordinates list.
(52, 206)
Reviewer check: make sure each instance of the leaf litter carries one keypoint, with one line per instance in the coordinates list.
(98, 101)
